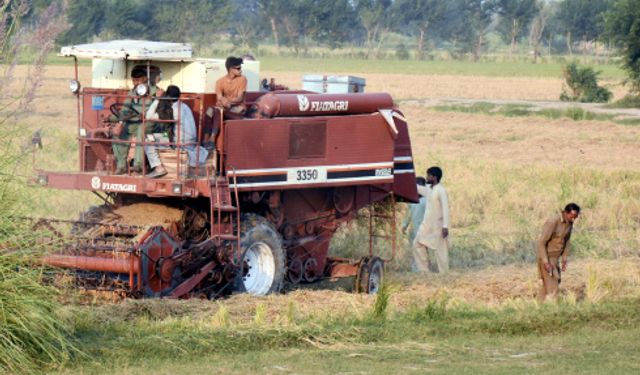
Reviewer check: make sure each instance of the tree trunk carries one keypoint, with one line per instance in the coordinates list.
(274, 30)
(381, 38)
(420, 49)
(478, 50)
(569, 43)
(514, 32)
(293, 36)
(368, 43)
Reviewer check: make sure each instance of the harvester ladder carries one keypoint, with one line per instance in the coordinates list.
(225, 216)
(391, 219)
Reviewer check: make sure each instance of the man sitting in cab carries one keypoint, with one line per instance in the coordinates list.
(129, 119)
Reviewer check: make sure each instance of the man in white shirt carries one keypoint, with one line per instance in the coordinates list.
(434, 230)
(415, 215)
(187, 136)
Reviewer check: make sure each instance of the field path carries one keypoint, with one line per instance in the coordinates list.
(533, 105)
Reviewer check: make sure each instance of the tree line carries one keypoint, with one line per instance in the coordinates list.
(461, 27)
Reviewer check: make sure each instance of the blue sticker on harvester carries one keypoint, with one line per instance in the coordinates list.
(97, 103)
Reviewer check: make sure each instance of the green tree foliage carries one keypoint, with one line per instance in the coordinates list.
(128, 19)
(422, 17)
(623, 27)
(515, 16)
(86, 19)
(271, 10)
(474, 20)
(192, 20)
(377, 20)
(332, 22)
(581, 19)
(581, 85)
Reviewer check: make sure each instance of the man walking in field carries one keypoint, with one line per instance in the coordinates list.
(552, 245)
(434, 230)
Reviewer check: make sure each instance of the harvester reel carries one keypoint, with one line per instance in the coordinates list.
(370, 275)
(261, 270)
(159, 271)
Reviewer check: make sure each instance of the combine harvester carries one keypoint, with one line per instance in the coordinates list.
(259, 213)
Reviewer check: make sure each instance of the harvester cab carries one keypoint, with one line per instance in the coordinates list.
(246, 203)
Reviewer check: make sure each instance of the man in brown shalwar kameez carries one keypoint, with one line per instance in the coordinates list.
(552, 245)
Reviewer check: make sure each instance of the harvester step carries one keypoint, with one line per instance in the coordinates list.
(225, 207)
(225, 237)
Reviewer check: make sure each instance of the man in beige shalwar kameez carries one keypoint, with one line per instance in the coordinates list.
(434, 231)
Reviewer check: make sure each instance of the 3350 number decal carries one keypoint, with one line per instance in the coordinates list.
(307, 175)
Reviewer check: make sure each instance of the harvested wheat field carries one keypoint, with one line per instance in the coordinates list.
(586, 281)
(505, 175)
(523, 141)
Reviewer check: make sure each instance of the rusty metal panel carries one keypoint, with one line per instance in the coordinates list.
(308, 140)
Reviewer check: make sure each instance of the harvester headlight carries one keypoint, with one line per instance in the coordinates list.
(142, 89)
(43, 180)
(83, 132)
(74, 86)
(177, 188)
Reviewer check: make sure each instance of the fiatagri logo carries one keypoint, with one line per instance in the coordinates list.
(97, 184)
(321, 106)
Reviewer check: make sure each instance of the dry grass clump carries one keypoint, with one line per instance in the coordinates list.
(143, 214)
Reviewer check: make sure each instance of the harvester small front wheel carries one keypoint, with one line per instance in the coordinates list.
(262, 266)
(370, 275)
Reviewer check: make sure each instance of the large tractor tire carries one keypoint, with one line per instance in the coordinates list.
(262, 266)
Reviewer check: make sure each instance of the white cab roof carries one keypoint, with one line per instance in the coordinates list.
(131, 50)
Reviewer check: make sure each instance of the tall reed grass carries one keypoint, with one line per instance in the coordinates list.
(33, 335)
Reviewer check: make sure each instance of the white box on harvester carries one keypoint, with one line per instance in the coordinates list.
(327, 84)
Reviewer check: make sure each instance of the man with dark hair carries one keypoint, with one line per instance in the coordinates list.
(552, 245)
(415, 215)
(130, 117)
(230, 91)
(188, 136)
(231, 88)
(433, 233)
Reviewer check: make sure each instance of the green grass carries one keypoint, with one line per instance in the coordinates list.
(438, 67)
(438, 335)
(464, 68)
(582, 352)
(629, 101)
(517, 110)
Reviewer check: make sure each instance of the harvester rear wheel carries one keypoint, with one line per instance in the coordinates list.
(262, 266)
(370, 275)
